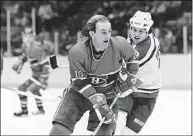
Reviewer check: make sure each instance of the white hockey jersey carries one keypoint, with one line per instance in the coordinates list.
(149, 65)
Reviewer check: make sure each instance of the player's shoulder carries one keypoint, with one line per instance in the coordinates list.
(119, 39)
(121, 43)
(156, 40)
(36, 44)
(36, 47)
(78, 49)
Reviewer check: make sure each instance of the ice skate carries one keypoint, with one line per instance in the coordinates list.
(39, 112)
(21, 113)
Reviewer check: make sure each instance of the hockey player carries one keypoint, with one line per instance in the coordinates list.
(1, 63)
(144, 99)
(95, 66)
(35, 55)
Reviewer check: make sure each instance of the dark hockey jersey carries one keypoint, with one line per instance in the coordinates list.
(100, 73)
(36, 56)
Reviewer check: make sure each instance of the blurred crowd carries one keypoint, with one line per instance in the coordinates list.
(68, 17)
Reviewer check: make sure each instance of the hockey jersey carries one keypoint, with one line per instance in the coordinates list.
(101, 73)
(36, 56)
(149, 66)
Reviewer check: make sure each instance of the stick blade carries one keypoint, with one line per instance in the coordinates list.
(53, 62)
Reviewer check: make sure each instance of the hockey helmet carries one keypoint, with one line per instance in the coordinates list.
(28, 30)
(141, 20)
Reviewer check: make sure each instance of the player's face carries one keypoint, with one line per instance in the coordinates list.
(137, 34)
(102, 35)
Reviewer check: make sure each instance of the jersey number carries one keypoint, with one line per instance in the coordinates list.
(78, 74)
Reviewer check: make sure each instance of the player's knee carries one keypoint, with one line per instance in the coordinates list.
(36, 91)
(22, 97)
(22, 88)
(59, 129)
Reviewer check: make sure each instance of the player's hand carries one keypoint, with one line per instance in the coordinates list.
(18, 66)
(101, 107)
(127, 81)
(44, 82)
(110, 117)
(105, 111)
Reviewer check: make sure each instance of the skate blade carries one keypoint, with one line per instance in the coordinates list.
(37, 114)
(24, 115)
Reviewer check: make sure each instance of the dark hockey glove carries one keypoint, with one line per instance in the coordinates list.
(101, 107)
(44, 82)
(99, 103)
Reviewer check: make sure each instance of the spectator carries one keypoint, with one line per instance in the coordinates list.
(166, 40)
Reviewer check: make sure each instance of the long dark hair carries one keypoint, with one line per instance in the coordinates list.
(91, 24)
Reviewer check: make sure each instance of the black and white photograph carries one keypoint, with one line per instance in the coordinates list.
(96, 67)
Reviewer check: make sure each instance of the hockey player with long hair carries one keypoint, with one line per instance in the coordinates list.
(95, 65)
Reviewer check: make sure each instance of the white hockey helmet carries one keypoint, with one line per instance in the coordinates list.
(141, 20)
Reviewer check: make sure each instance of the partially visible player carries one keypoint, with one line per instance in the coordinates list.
(95, 65)
(35, 55)
(1, 66)
(144, 99)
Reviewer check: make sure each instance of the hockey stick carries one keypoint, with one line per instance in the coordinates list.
(112, 104)
(126, 93)
(28, 94)
(54, 64)
(36, 82)
(103, 119)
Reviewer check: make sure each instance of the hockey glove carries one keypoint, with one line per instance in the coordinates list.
(127, 81)
(44, 82)
(99, 103)
(18, 66)
(19, 63)
(101, 107)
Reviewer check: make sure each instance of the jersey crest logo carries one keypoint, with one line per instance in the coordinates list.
(98, 80)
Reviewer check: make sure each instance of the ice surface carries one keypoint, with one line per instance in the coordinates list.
(171, 116)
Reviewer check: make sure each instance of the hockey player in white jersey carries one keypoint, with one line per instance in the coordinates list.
(147, 47)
